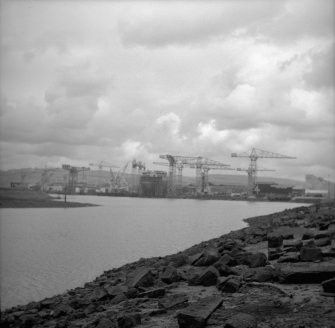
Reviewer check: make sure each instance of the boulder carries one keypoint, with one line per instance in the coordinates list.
(323, 241)
(289, 258)
(128, 320)
(254, 260)
(329, 286)
(275, 240)
(261, 274)
(112, 291)
(143, 277)
(229, 284)
(207, 257)
(98, 294)
(310, 254)
(106, 323)
(292, 245)
(209, 277)
(196, 315)
(224, 270)
(305, 273)
(228, 260)
(170, 275)
(308, 235)
(241, 320)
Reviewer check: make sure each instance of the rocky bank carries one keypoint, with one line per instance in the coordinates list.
(278, 272)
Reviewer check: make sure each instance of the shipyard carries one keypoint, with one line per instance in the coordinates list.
(134, 180)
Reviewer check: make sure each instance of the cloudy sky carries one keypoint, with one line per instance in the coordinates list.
(85, 81)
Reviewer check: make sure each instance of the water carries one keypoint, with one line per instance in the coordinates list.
(47, 251)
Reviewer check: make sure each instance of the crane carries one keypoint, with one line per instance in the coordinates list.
(73, 175)
(254, 155)
(199, 163)
(118, 182)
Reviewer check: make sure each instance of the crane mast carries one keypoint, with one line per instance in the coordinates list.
(73, 176)
(252, 170)
(200, 164)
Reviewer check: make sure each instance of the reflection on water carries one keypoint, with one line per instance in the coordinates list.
(47, 251)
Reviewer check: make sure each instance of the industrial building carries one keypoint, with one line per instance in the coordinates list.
(153, 184)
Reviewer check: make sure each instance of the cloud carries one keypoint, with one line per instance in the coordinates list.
(161, 25)
(322, 68)
(115, 80)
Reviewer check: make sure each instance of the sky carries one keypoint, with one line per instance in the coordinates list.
(85, 81)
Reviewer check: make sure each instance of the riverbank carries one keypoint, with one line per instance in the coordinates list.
(12, 198)
(217, 283)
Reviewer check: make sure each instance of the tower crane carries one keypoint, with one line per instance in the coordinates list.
(200, 164)
(101, 165)
(254, 155)
(73, 175)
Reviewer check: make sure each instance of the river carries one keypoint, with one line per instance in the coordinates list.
(46, 251)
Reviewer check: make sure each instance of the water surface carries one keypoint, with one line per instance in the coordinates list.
(46, 251)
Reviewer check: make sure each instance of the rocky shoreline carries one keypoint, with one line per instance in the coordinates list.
(278, 272)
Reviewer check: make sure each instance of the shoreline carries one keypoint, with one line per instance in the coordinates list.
(33, 203)
(163, 291)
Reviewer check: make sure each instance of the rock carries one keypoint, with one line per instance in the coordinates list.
(289, 258)
(329, 233)
(98, 294)
(90, 309)
(209, 277)
(131, 293)
(261, 274)
(323, 241)
(310, 254)
(292, 245)
(208, 257)
(173, 302)
(288, 235)
(275, 240)
(112, 291)
(195, 315)
(143, 277)
(170, 275)
(308, 235)
(128, 320)
(106, 323)
(228, 260)
(118, 299)
(28, 321)
(229, 284)
(254, 260)
(47, 303)
(61, 311)
(153, 293)
(193, 258)
(224, 270)
(178, 260)
(274, 254)
(241, 320)
(329, 286)
(305, 273)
